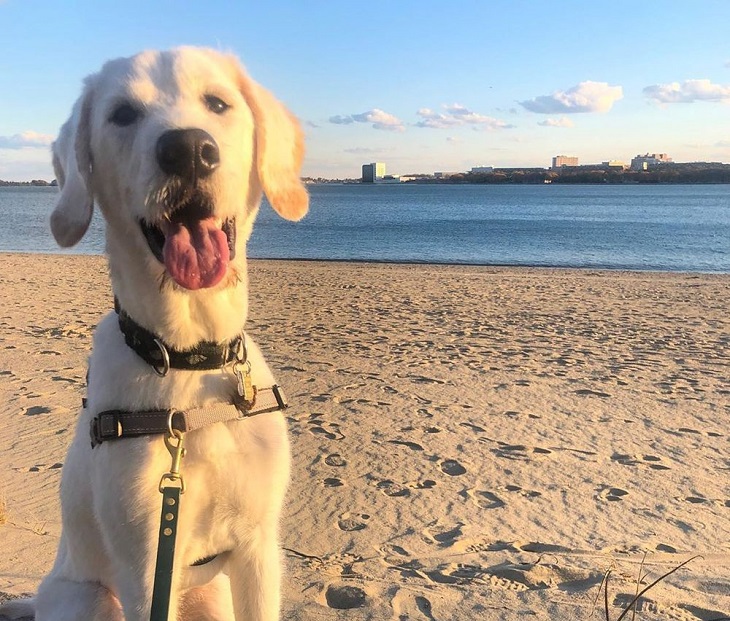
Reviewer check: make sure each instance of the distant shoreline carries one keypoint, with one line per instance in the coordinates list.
(615, 270)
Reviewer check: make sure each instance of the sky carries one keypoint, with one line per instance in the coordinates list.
(423, 86)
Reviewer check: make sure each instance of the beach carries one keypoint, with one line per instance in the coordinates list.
(468, 442)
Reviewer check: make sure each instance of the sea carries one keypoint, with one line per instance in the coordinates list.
(678, 228)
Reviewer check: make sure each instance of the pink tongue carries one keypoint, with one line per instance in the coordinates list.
(196, 254)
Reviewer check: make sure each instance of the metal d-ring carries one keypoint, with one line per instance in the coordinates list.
(165, 359)
(242, 353)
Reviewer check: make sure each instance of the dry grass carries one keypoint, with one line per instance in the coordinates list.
(631, 608)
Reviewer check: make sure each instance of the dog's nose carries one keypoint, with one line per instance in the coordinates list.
(188, 153)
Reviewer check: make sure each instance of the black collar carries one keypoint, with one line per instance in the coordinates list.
(204, 356)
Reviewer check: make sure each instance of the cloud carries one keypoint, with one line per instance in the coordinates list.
(584, 97)
(563, 121)
(379, 119)
(29, 139)
(457, 115)
(688, 91)
(341, 120)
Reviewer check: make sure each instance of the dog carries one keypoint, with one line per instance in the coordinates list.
(176, 149)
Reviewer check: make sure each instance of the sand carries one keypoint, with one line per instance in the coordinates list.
(468, 442)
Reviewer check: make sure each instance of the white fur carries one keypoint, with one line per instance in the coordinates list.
(235, 473)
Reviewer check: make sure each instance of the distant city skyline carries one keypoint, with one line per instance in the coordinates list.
(425, 87)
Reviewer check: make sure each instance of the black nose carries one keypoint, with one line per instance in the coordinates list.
(188, 153)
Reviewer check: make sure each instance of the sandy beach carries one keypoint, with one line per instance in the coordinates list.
(468, 442)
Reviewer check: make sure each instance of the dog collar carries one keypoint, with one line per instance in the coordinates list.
(205, 356)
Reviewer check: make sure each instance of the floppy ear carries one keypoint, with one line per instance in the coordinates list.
(72, 164)
(279, 150)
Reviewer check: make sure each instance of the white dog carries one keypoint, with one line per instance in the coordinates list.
(176, 149)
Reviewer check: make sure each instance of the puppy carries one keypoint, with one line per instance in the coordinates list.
(176, 149)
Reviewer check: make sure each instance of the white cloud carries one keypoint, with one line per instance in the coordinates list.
(688, 91)
(379, 119)
(563, 121)
(584, 97)
(457, 115)
(29, 139)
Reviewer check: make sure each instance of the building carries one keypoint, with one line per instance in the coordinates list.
(482, 169)
(614, 165)
(373, 172)
(564, 160)
(648, 160)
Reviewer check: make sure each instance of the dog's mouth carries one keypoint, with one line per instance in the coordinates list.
(194, 246)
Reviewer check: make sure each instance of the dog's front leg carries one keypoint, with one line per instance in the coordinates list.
(255, 572)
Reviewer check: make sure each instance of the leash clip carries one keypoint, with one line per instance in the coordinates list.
(175, 443)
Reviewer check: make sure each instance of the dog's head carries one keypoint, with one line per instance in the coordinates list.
(176, 148)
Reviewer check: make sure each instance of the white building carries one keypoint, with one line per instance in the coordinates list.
(373, 172)
(646, 161)
(564, 160)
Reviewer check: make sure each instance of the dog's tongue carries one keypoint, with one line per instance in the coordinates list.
(196, 253)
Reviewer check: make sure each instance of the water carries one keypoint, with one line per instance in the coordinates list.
(658, 227)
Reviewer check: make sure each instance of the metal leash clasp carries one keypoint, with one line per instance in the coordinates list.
(175, 443)
(242, 370)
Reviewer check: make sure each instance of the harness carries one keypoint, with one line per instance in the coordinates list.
(247, 401)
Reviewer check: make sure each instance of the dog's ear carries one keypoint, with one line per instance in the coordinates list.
(72, 164)
(279, 150)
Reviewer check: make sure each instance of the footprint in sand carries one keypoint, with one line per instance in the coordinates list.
(444, 538)
(333, 482)
(39, 467)
(393, 489)
(612, 494)
(452, 467)
(37, 409)
(473, 427)
(527, 493)
(351, 522)
(425, 484)
(408, 607)
(591, 393)
(331, 431)
(411, 445)
(345, 597)
(485, 499)
(335, 460)
(650, 461)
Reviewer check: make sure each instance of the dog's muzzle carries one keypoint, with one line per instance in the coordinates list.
(194, 245)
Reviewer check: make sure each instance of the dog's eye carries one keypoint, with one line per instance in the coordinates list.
(124, 115)
(216, 104)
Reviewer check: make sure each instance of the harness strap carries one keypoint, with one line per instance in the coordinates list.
(115, 424)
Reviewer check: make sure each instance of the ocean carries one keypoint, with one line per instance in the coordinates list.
(630, 227)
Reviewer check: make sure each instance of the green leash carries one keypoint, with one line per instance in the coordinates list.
(171, 487)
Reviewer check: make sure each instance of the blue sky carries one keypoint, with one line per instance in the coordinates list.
(422, 86)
